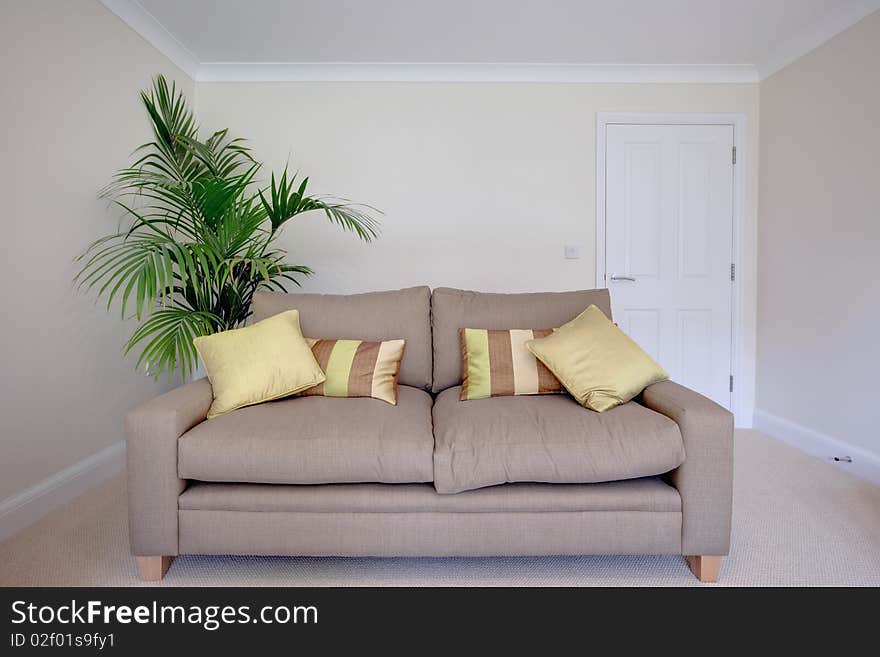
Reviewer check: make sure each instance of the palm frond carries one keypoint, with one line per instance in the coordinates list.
(286, 200)
(353, 217)
(197, 234)
(221, 157)
(167, 340)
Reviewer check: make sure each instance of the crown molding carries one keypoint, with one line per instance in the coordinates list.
(144, 23)
(814, 36)
(473, 72)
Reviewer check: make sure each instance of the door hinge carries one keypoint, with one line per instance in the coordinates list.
(733, 271)
(731, 383)
(733, 157)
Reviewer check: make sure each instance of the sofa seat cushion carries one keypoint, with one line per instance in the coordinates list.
(649, 494)
(548, 438)
(314, 440)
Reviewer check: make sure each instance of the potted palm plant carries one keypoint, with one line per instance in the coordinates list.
(198, 235)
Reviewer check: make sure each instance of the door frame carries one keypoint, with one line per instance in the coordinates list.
(739, 406)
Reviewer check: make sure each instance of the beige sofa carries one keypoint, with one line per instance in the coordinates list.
(433, 475)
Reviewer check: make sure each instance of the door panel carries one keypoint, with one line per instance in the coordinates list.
(669, 227)
(695, 348)
(641, 208)
(695, 215)
(643, 326)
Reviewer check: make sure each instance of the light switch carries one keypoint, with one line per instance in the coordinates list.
(572, 252)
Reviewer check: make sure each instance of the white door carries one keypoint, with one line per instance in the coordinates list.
(668, 247)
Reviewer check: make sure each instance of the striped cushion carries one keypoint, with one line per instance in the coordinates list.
(356, 368)
(498, 364)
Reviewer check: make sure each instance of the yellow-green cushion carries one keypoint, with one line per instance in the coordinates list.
(264, 361)
(597, 362)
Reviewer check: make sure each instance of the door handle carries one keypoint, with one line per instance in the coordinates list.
(614, 278)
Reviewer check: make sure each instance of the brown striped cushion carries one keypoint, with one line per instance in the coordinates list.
(496, 363)
(357, 368)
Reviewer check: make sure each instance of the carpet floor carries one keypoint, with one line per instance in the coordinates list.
(796, 522)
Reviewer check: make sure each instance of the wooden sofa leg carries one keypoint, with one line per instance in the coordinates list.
(153, 569)
(705, 568)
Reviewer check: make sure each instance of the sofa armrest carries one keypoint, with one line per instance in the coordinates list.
(705, 479)
(152, 430)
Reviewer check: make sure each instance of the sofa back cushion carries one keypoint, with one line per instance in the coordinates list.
(371, 316)
(452, 310)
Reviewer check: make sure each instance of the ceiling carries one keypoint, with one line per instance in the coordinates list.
(255, 39)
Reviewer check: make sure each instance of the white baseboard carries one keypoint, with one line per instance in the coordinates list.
(25, 508)
(864, 464)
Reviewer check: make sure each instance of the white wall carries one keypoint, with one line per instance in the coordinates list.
(71, 73)
(481, 184)
(819, 262)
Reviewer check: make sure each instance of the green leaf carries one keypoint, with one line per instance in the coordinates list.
(166, 340)
(197, 234)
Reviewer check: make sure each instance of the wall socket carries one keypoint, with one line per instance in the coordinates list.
(572, 251)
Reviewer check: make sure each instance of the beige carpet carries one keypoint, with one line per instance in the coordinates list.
(797, 521)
